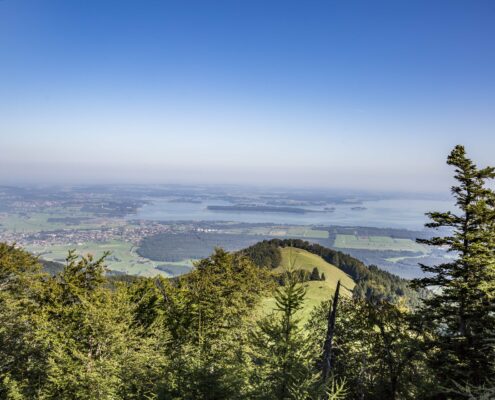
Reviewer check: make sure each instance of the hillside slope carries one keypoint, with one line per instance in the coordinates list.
(316, 291)
(370, 281)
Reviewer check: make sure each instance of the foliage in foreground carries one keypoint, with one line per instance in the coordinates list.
(462, 312)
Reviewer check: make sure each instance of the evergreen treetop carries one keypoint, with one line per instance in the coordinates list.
(462, 309)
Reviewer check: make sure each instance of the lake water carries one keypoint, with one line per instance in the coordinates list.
(398, 213)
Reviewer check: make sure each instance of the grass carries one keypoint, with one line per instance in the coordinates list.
(377, 243)
(316, 291)
(282, 231)
(38, 222)
(304, 232)
(123, 256)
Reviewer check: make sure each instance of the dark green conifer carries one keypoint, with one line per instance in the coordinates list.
(281, 348)
(315, 275)
(462, 309)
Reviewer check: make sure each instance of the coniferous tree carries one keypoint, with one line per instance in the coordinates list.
(462, 308)
(285, 366)
(376, 351)
(97, 352)
(280, 351)
(70, 336)
(24, 345)
(315, 275)
(208, 318)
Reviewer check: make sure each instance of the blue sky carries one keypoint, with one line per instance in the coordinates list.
(358, 94)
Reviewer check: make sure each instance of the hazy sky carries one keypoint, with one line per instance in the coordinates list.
(360, 94)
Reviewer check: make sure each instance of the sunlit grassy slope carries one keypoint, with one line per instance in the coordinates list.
(317, 291)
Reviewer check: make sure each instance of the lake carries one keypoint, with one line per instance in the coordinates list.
(397, 213)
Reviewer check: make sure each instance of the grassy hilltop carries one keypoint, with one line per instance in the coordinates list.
(316, 291)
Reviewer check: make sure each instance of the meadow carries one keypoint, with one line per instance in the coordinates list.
(122, 258)
(43, 221)
(316, 291)
(378, 243)
(306, 232)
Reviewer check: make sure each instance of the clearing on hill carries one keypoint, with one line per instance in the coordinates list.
(317, 291)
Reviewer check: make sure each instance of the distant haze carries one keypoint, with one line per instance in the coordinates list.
(368, 95)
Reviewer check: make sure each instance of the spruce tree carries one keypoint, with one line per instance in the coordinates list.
(281, 352)
(315, 275)
(207, 317)
(24, 345)
(462, 308)
(97, 351)
(285, 365)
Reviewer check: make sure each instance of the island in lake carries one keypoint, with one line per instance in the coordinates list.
(249, 208)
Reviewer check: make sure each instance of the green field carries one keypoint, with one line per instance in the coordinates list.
(301, 231)
(122, 258)
(317, 291)
(38, 222)
(282, 231)
(377, 243)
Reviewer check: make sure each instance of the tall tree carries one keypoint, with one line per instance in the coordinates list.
(23, 342)
(97, 351)
(285, 366)
(207, 317)
(375, 351)
(462, 308)
(280, 348)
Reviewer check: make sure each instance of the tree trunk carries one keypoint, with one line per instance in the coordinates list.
(327, 347)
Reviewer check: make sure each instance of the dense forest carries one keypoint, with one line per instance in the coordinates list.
(77, 333)
(172, 247)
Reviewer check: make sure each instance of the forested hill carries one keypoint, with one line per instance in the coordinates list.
(371, 282)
